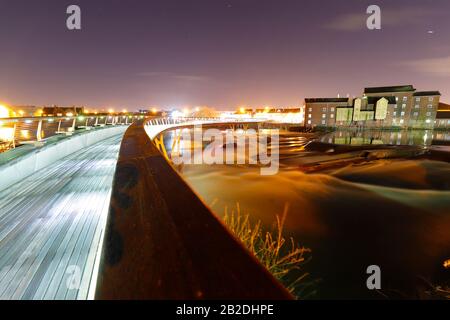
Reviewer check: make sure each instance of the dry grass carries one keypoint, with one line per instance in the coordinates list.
(283, 258)
(438, 292)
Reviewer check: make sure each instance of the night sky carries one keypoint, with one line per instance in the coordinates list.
(136, 53)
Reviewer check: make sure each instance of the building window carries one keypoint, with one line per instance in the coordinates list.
(430, 99)
(416, 114)
(324, 115)
(332, 109)
(402, 113)
(396, 99)
(417, 106)
(417, 99)
(331, 115)
(428, 114)
(309, 121)
(309, 115)
(394, 113)
(323, 121)
(401, 120)
(405, 99)
(404, 106)
(324, 109)
(309, 109)
(428, 121)
(430, 106)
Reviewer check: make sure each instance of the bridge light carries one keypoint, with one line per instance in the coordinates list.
(69, 114)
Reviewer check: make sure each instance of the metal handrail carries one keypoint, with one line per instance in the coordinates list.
(37, 129)
(162, 241)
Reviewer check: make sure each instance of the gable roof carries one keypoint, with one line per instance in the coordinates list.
(404, 88)
(374, 100)
(427, 93)
(324, 100)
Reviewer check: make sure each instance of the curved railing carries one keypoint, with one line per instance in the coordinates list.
(162, 241)
(25, 130)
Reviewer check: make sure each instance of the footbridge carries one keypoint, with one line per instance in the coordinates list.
(97, 212)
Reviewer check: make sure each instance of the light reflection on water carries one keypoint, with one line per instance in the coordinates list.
(403, 137)
(352, 217)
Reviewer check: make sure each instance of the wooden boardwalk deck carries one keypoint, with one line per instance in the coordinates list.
(52, 225)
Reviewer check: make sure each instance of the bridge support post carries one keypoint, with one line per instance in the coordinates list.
(160, 145)
(39, 131)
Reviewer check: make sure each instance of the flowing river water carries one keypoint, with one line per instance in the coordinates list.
(391, 212)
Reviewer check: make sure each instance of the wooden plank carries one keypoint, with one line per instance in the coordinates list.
(52, 219)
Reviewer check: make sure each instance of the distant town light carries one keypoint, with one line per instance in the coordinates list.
(4, 111)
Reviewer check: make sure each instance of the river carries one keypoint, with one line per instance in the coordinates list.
(393, 213)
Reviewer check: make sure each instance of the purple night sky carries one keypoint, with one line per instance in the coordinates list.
(223, 53)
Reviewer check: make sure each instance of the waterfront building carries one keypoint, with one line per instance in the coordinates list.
(395, 106)
(322, 111)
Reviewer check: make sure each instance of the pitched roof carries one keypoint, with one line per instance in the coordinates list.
(374, 100)
(444, 107)
(324, 100)
(404, 88)
(427, 93)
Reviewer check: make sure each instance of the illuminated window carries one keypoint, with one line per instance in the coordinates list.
(405, 99)
(417, 99)
(416, 114)
(324, 109)
(401, 120)
(332, 109)
(430, 106)
(394, 113)
(324, 115)
(404, 106)
(417, 106)
(402, 113)
(331, 115)
(430, 99)
(309, 121)
(309, 115)
(323, 122)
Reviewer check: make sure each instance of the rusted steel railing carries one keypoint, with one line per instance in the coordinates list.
(162, 242)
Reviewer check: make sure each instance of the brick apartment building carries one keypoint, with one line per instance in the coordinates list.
(322, 111)
(395, 106)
